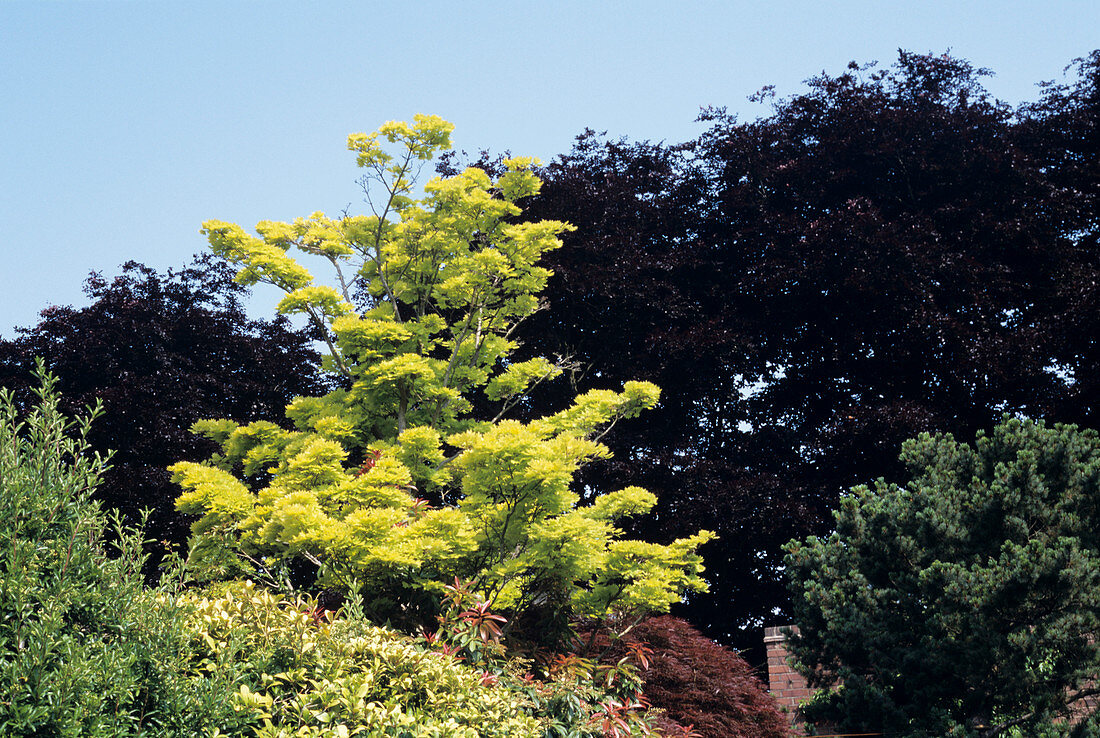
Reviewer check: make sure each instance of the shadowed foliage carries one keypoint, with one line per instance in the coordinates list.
(889, 252)
(161, 351)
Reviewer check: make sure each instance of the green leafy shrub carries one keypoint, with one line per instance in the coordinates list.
(301, 671)
(85, 649)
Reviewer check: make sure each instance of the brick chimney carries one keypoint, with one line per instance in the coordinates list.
(786, 685)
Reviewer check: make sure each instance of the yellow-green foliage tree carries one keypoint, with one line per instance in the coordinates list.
(427, 295)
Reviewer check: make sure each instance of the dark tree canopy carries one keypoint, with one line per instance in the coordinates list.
(890, 252)
(1062, 131)
(161, 351)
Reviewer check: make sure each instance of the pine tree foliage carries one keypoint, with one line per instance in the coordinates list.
(392, 485)
(966, 602)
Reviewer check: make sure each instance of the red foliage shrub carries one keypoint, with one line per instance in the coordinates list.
(699, 683)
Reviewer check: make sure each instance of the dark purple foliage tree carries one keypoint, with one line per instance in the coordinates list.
(890, 252)
(1062, 131)
(162, 351)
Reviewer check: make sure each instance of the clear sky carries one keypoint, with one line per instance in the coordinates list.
(124, 125)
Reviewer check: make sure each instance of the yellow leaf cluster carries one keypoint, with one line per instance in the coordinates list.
(391, 478)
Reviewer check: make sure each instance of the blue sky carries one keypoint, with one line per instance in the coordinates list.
(126, 124)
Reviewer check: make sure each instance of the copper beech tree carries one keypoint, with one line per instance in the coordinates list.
(160, 351)
(886, 252)
(391, 485)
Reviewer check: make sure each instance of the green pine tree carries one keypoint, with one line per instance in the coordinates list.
(966, 602)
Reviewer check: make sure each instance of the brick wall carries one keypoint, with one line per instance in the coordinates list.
(787, 686)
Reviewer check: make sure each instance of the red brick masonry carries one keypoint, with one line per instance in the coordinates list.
(787, 686)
